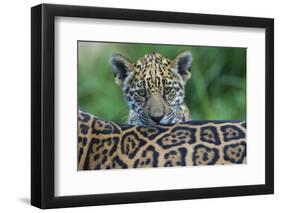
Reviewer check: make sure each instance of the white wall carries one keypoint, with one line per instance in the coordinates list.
(15, 105)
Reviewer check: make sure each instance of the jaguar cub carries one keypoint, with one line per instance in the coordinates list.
(154, 87)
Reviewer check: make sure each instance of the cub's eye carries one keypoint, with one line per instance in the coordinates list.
(141, 92)
(167, 90)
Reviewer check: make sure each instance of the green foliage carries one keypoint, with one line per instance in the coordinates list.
(216, 91)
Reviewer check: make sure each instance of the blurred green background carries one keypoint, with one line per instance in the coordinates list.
(216, 91)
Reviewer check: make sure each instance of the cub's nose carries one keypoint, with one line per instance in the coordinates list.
(157, 118)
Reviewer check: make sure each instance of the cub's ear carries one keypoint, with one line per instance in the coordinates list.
(182, 64)
(121, 68)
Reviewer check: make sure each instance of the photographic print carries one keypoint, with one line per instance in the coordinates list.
(160, 105)
(127, 96)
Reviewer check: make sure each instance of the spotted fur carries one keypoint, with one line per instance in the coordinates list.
(107, 145)
(154, 87)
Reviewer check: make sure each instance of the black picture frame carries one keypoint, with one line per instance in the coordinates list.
(43, 102)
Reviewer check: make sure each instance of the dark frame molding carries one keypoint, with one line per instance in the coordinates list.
(42, 105)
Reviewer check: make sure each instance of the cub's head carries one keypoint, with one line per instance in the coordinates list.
(153, 86)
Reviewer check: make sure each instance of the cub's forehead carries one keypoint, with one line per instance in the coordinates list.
(153, 70)
(152, 59)
(151, 66)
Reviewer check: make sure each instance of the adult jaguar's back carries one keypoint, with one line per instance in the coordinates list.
(108, 145)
